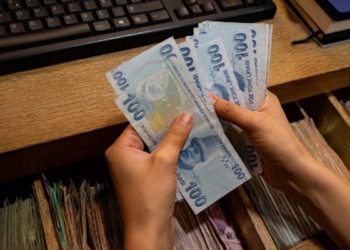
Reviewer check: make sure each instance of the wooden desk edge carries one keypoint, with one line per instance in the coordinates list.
(54, 153)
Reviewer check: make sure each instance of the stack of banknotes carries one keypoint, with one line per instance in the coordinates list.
(206, 231)
(88, 218)
(287, 223)
(230, 60)
(20, 226)
(85, 218)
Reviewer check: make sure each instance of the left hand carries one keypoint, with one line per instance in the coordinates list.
(146, 184)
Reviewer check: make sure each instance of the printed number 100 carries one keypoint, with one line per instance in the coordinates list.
(196, 194)
(133, 107)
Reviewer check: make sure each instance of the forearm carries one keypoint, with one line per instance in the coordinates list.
(149, 237)
(326, 198)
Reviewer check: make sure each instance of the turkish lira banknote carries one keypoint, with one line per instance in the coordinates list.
(248, 47)
(153, 88)
(223, 227)
(224, 81)
(208, 166)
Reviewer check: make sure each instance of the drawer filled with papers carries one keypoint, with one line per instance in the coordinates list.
(266, 217)
(75, 206)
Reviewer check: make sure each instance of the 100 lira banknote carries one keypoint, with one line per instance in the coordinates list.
(259, 51)
(221, 81)
(208, 166)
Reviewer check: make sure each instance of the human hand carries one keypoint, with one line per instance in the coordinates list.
(289, 167)
(283, 156)
(146, 184)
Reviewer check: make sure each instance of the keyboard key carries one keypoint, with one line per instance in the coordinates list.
(182, 12)
(144, 7)
(73, 7)
(159, 16)
(87, 17)
(121, 2)
(135, 1)
(53, 22)
(118, 12)
(35, 25)
(40, 12)
(32, 3)
(102, 14)
(102, 26)
(57, 10)
(38, 37)
(105, 3)
(16, 28)
(67, 1)
(208, 8)
(231, 4)
(189, 2)
(139, 20)
(22, 15)
(5, 18)
(122, 23)
(90, 5)
(195, 10)
(2, 31)
(70, 19)
(50, 2)
(14, 4)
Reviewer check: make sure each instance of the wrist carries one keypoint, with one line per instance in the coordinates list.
(308, 180)
(153, 234)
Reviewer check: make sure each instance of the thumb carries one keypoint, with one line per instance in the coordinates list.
(175, 138)
(233, 113)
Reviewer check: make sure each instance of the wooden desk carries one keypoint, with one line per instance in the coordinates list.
(62, 113)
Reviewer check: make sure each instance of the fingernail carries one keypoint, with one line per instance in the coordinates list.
(213, 100)
(186, 119)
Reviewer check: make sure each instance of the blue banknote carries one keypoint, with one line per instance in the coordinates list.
(192, 63)
(202, 65)
(217, 71)
(261, 35)
(261, 44)
(216, 67)
(238, 44)
(208, 166)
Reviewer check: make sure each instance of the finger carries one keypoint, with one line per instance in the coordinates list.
(129, 139)
(232, 113)
(175, 138)
(271, 100)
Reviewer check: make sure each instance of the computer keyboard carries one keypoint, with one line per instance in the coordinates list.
(35, 33)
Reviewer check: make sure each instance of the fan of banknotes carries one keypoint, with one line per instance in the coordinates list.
(230, 60)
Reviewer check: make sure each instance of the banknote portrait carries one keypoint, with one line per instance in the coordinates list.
(240, 81)
(199, 150)
(221, 91)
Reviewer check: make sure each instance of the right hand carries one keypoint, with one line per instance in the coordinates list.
(268, 130)
(289, 167)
